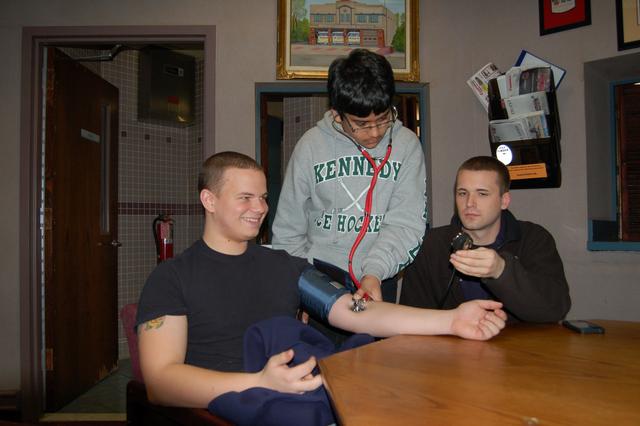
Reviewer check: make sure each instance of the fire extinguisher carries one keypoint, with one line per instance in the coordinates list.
(163, 236)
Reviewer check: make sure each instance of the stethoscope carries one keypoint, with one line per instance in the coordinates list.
(368, 205)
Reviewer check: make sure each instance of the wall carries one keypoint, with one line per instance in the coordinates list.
(157, 169)
(245, 53)
(456, 39)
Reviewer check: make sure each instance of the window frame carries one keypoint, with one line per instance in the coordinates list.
(603, 231)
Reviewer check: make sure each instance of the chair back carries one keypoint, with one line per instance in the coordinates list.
(139, 410)
(128, 317)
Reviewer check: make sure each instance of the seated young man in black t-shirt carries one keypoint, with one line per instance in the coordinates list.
(194, 309)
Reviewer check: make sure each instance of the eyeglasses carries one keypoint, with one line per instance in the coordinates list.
(384, 125)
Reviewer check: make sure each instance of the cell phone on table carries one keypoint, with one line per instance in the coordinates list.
(584, 327)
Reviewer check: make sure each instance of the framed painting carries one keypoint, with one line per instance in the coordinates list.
(628, 23)
(561, 15)
(312, 33)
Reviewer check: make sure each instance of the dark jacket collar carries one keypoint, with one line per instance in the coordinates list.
(512, 230)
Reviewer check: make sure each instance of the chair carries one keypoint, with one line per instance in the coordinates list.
(142, 412)
(128, 317)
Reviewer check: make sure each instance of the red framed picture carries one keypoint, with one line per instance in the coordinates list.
(561, 15)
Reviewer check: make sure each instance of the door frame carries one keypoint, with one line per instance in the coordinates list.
(34, 40)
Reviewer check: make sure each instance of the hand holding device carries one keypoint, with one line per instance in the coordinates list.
(481, 262)
(462, 241)
(370, 288)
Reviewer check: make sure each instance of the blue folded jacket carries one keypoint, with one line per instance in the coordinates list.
(260, 406)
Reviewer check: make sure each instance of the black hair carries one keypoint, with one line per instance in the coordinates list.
(360, 84)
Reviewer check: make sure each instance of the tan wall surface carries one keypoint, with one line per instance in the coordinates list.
(245, 54)
(456, 39)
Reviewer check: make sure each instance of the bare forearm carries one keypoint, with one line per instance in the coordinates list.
(188, 386)
(385, 319)
(169, 381)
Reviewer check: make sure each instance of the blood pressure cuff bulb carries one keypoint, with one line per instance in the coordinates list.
(318, 293)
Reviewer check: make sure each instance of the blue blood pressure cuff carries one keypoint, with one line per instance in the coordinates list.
(318, 293)
(335, 273)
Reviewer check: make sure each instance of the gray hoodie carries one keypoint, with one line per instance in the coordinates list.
(320, 210)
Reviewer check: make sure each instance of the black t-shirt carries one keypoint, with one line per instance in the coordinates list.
(221, 295)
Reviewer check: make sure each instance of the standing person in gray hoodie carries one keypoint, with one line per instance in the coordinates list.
(354, 194)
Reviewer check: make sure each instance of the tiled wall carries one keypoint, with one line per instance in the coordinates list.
(158, 169)
(299, 115)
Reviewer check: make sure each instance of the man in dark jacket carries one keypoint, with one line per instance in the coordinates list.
(512, 261)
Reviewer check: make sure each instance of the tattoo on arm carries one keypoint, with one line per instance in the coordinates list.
(154, 323)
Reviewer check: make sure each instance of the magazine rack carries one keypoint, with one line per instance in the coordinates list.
(535, 163)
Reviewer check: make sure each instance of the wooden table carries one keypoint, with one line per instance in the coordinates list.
(528, 375)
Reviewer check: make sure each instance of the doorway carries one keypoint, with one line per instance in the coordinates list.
(80, 229)
(160, 147)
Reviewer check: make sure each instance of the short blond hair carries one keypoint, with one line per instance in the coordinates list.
(489, 164)
(213, 168)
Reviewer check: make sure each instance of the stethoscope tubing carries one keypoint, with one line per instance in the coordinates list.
(369, 198)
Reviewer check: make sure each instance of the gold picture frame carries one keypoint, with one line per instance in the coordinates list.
(312, 34)
(628, 23)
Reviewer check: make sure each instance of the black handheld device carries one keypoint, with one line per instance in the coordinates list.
(584, 327)
(462, 241)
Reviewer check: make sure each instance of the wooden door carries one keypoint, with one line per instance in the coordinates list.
(80, 229)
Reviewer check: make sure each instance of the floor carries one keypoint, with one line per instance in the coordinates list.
(105, 401)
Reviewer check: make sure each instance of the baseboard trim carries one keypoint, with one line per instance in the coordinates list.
(83, 417)
(9, 400)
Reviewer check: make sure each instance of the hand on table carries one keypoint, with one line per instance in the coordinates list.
(478, 319)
